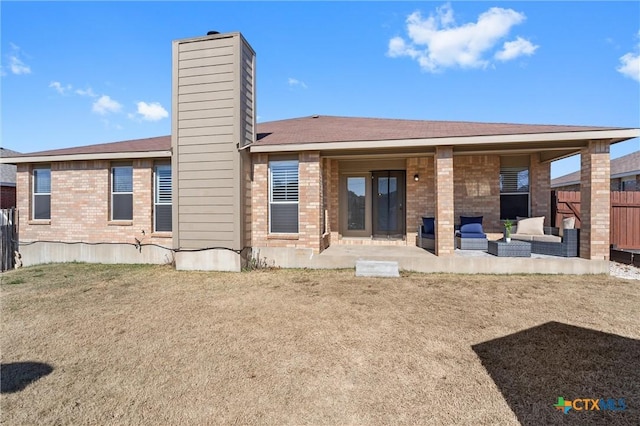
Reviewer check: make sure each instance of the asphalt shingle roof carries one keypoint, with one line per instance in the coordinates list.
(318, 129)
(625, 165)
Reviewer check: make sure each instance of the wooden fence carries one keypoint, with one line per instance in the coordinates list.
(625, 215)
(8, 238)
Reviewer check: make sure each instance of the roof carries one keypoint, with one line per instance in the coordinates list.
(160, 143)
(627, 165)
(343, 129)
(320, 132)
(7, 171)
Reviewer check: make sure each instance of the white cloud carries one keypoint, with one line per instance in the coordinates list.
(59, 87)
(106, 105)
(513, 49)
(152, 111)
(630, 63)
(295, 82)
(17, 66)
(87, 92)
(437, 42)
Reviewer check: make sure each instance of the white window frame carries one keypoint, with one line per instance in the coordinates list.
(113, 192)
(296, 202)
(35, 194)
(157, 198)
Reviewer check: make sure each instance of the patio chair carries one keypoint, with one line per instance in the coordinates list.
(427, 233)
(471, 236)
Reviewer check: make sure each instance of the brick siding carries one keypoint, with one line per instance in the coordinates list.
(540, 188)
(477, 189)
(595, 201)
(444, 189)
(80, 205)
(309, 205)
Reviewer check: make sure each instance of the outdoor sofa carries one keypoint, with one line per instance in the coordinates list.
(552, 241)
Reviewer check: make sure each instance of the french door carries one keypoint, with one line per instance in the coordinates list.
(388, 203)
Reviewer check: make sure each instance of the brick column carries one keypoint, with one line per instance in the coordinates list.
(260, 200)
(443, 164)
(595, 200)
(310, 203)
(334, 226)
(540, 187)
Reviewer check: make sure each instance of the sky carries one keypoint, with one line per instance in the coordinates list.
(80, 73)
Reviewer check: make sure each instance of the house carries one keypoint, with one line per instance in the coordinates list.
(221, 188)
(624, 176)
(7, 181)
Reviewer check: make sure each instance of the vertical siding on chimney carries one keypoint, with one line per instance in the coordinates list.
(213, 116)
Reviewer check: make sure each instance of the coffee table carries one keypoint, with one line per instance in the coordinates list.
(516, 248)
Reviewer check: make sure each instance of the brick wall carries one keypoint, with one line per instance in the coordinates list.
(333, 197)
(540, 188)
(595, 201)
(477, 189)
(260, 200)
(310, 203)
(420, 194)
(80, 205)
(444, 184)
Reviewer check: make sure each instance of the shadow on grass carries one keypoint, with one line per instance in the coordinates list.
(16, 376)
(533, 367)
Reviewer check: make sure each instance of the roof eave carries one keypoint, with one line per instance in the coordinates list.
(86, 157)
(617, 135)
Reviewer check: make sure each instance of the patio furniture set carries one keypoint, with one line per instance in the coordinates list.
(529, 236)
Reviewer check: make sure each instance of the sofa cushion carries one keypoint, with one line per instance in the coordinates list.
(428, 225)
(531, 226)
(547, 238)
(567, 223)
(472, 228)
(472, 224)
(522, 237)
(472, 235)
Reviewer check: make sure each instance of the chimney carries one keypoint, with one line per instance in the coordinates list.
(213, 119)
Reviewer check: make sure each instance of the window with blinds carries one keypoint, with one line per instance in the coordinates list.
(514, 192)
(122, 192)
(41, 206)
(162, 198)
(283, 196)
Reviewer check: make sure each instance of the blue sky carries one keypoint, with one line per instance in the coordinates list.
(79, 73)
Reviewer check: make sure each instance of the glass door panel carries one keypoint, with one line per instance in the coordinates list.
(388, 204)
(356, 202)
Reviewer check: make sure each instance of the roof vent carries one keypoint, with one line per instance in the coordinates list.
(213, 32)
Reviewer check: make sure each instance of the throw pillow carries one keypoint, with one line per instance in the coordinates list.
(531, 226)
(471, 224)
(567, 223)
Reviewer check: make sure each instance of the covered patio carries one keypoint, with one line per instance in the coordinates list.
(369, 183)
(416, 259)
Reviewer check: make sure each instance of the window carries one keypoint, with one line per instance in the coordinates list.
(162, 198)
(514, 191)
(41, 207)
(283, 196)
(122, 192)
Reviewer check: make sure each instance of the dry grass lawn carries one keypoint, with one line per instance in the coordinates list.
(99, 344)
